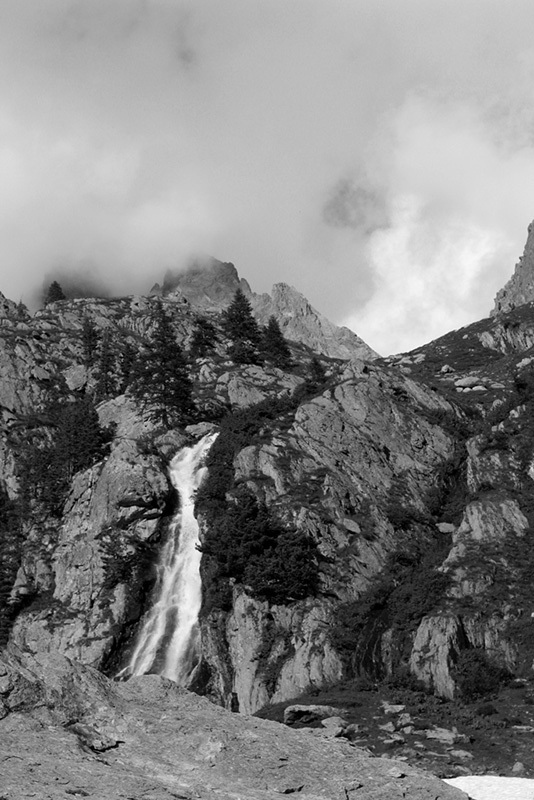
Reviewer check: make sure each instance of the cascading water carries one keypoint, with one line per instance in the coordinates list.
(168, 642)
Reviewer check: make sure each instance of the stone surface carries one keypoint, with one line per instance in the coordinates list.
(300, 322)
(369, 464)
(309, 713)
(71, 732)
(210, 285)
(520, 287)
(362, 416)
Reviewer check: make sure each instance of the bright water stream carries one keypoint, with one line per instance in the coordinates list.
(168, 642)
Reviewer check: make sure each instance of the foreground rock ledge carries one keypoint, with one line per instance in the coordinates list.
(67, 731)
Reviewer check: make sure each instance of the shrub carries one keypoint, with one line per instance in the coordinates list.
(246, 544)
(243, 542)
(11, 538)
(106, 379)
(90, 339)
(486, 710)
(409, 588)
(70, 439)
(475, 676)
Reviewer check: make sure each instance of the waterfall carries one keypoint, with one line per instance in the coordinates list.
(168, 642)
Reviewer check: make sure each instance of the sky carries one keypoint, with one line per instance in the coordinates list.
(377, 155)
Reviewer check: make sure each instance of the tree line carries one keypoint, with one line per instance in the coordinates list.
(158, 372)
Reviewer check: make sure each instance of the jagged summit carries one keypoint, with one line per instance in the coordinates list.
(301, 322)
(520, 288)
(207, 284)
(210, 285)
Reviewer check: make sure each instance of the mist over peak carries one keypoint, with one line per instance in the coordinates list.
(379, 158)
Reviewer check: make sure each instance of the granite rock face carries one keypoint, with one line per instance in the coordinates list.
(429, 452)
(349, 448)
(520, 288)
(300, 322)
(65, 730)
(210, 285)
(110, 516)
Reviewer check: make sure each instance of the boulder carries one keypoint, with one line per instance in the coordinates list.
(68, 731)
(306, 714)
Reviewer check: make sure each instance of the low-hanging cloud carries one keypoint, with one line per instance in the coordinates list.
(377, 156)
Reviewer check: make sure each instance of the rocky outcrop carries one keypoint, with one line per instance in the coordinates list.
(300, 322)
(520, 288)
(489, 528)
(206, 284)
(436, 645)
(209, 285)
(66, 730)
(270, 653)
(349, 448)
(112, 516)
(380, 458)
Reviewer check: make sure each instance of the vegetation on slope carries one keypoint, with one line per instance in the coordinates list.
(244, 543)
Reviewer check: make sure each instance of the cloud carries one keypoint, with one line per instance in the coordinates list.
(377, 156)
(455, 196)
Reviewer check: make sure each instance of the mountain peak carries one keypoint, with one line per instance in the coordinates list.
(301, 322)
(206, 283)
(520, 288)
(210, 285)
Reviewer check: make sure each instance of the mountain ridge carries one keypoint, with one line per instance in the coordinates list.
(410, 475)
(210, 285)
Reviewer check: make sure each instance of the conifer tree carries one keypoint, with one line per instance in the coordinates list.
(162, 381)
(90, 339)
(106, 384)
(70, 440)
(316, 376)
(80, 439)
(127, 363)
(54, 293)
(242, 330)
(204, 337)
(22, 310)
(10, 550)
(275, 347)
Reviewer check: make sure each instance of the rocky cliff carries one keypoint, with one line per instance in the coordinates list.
(520, 288)
(390, 498)
(69, 732)
(209, 285)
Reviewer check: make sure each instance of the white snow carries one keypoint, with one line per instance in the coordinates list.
(493, 787)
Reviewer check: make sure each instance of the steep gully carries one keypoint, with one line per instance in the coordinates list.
(168, 641)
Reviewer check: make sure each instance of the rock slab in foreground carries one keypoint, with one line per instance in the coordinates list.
(67, 731)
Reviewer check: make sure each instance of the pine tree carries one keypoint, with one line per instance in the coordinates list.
(10, 552)
(127, 364)
(162, 381)
(316, 376)
(54, 293)
(70, 440)
(275, 347)
(90, 339)
(204, 337)
(106, 384)
(242, 330)
(80, 439)
(314, 382)
(22, 310)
